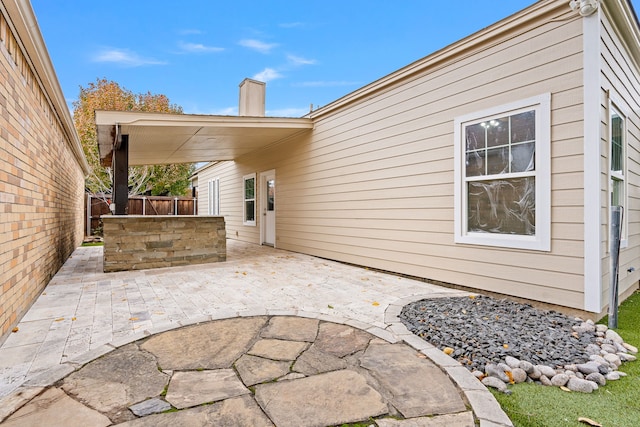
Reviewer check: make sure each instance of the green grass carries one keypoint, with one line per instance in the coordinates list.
(93, 244)
(617, 404)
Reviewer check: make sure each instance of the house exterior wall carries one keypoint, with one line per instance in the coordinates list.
(620, 89)
(41, 172)
(374, 182)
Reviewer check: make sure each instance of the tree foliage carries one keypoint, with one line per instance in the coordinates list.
(103, 94)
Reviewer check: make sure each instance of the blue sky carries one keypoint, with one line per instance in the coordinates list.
(197, 52)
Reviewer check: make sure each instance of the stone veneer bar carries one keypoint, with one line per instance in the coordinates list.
(136, 242)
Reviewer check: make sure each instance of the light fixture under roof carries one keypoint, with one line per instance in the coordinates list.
(584, 7)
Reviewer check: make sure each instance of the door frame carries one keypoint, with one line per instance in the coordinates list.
(263, 206)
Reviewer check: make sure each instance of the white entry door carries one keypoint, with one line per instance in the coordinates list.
(268, 223)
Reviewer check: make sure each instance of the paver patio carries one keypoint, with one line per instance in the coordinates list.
(84, 313)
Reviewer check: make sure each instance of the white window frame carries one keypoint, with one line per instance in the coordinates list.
(214, 197)
(541, 241)
(615, 175)
(245, 200)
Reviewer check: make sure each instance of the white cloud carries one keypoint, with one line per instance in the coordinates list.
(326, 84)
(258, 45)
(297, 60)
(125, 58)
(199, 48)
(267, 75)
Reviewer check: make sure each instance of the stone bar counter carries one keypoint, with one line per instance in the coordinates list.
(136, 242)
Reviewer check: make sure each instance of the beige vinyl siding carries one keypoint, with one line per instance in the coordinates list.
(621, 78)
(378, 177)
(373, 184)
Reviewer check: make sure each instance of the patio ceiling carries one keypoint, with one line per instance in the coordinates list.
(160, 138)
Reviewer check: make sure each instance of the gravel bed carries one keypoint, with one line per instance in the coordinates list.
(483, 330)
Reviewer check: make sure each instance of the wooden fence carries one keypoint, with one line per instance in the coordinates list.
(138, 205)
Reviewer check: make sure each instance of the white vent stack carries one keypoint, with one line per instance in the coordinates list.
(252, 94)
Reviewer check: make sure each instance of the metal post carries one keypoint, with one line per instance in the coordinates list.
(175, 206)
(121, 176)
(614, 257)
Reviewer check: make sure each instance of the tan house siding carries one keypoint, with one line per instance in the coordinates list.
(620, 79)
(41, 180)
(374, 183)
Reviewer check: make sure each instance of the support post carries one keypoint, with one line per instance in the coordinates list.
(121, 176)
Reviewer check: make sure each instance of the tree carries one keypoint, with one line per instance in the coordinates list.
(159, 180)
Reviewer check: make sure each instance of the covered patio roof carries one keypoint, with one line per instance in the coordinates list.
(162, 138)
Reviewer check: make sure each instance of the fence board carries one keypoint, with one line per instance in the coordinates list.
(138, 205)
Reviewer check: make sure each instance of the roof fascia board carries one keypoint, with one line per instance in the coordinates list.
(124, 118)
(482, 39)
(24, 25)
(623, 18)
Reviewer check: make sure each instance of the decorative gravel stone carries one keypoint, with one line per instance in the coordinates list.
(546, 371)
(583, 386)
(495, 371)
(494, 382)
(512, 362)
(597, 378)
(502, 341)
(519, 375)
(626, 357)
(559, 380)
(544, 380)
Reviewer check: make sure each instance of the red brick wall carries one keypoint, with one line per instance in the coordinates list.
(41, 186)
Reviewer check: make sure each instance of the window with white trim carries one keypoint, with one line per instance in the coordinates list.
(502, 172)
(214, 196)
(617, 163)
(249, 194)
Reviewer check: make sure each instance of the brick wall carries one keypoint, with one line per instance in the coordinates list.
(41, 184)
(135, 242)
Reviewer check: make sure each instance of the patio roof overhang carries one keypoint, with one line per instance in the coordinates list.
(162, 138)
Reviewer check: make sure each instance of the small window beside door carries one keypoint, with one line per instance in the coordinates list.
(249, 189)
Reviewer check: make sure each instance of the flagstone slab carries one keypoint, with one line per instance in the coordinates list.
(463, 419)
(116, 380)
(193, 388)
(418, 386)
(341, 340)
(314, 361)
(327, 399)
(291, 328)
(234, 412)
(278, 349)
(54, 408)
(212, 345)
(255, 370)
(149, 406)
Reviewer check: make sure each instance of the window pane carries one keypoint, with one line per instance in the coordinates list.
(271, 195)
(505, 206)
(498, 161)
(249, 188)
(617, 154)
(523, 127)
(523, 157)
(617, 192)
(475, 137)
(497, 132)
(249, 210)
(475, 163)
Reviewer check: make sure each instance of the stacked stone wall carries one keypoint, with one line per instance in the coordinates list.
(135, 242)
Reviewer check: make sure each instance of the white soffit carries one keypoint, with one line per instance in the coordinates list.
(160, 138)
